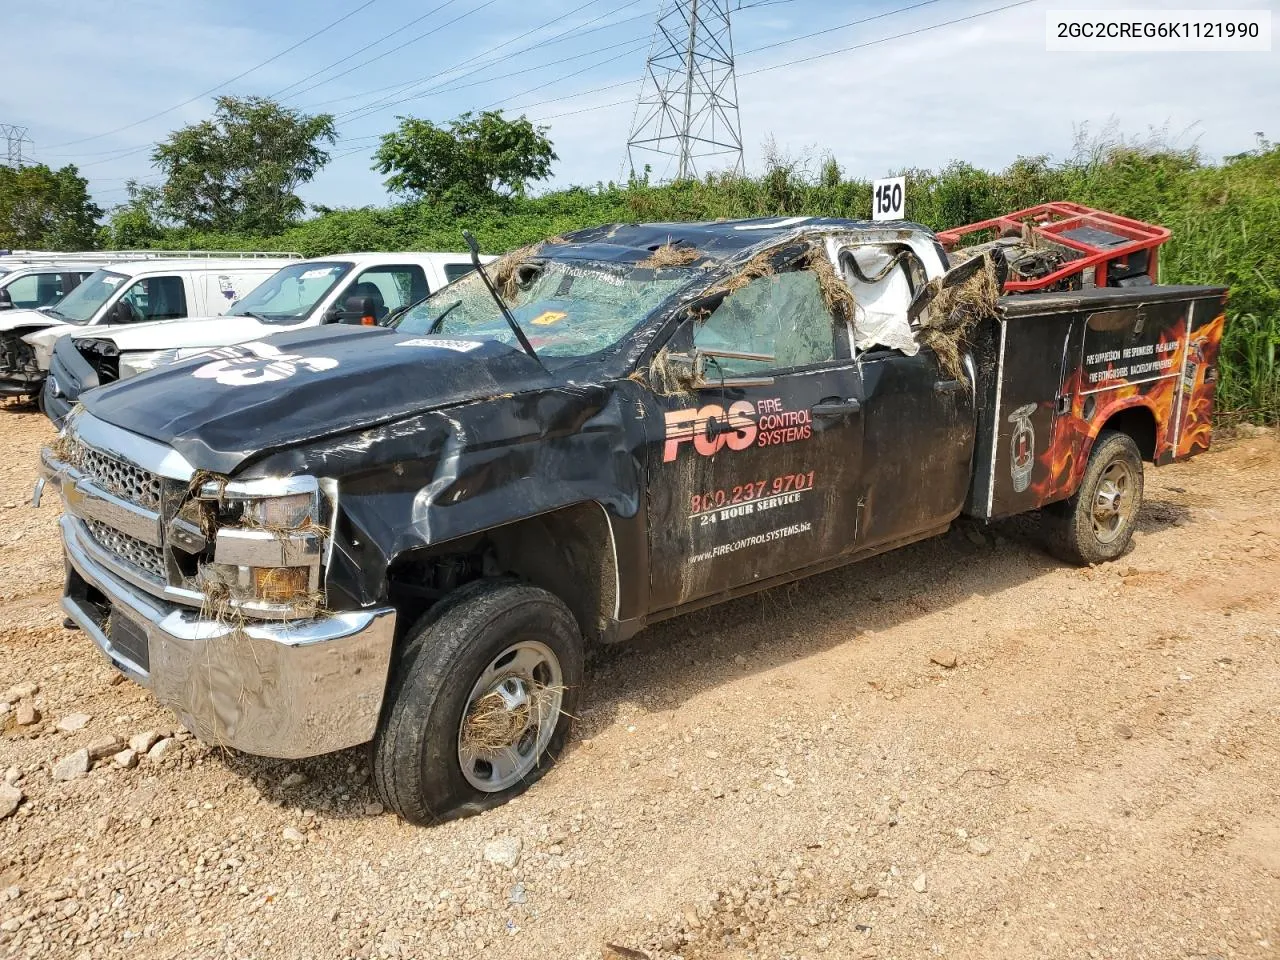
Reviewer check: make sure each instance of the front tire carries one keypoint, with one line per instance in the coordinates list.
(481, 701)
(1097, 524)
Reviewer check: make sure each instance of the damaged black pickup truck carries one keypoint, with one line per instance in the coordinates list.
(407, 536)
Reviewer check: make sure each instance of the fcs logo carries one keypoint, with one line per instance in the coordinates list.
(711, 428)
(264, 364)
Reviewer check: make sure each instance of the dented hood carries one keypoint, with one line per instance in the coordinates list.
(224, 407)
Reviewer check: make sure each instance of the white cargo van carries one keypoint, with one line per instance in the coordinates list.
(348, 288)
(31, 279)
(31, 286)
(122, 294)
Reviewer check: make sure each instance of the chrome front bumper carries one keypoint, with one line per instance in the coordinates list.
(276, 689)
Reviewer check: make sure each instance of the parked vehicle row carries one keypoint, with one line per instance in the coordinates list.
(353, 288)
(130, 316)
(408, 534)
(117, 292)
(32, 279)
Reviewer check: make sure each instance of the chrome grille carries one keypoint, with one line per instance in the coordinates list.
(142, 556)
(125, 480)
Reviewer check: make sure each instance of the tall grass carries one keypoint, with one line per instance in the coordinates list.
(1225, 220)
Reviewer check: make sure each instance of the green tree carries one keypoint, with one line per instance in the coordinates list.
(46, 209)
(470, 160)
(238, 171)
(137, 222)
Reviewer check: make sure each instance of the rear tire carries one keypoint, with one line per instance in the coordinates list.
(1097, 524)
(481, 701)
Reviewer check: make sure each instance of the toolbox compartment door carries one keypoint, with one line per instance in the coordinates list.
(1021, 390)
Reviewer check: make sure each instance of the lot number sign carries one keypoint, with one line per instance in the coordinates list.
(889, 198)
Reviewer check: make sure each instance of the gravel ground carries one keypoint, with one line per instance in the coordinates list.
(961, 749)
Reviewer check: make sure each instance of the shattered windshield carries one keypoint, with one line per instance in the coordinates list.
(566, 308)
(291, 293)
(83, 302)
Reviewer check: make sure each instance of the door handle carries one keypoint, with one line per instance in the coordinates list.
(836, 408)
(948, 386)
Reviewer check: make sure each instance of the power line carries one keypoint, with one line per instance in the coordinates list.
(449, 85)
(758, 70)
(385, 103)
(409, 42)
(631, 44)
(238, 76)
(577, 31)
(119, 153)
(470, 62)
(443, 88)
(337, 63)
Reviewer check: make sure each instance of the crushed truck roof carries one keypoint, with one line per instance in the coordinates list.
(722, 239)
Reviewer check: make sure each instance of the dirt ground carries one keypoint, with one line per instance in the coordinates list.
(787, 776)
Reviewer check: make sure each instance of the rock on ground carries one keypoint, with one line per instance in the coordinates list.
(504, 851)
(71, 766)
(10, 797)
(73, 722)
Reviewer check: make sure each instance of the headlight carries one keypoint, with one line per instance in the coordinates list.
(269, 544)
(287, 513)
(132, 364)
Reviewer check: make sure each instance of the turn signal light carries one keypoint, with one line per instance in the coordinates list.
(280, 584)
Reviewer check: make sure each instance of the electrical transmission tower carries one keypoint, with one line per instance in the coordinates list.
(14, 138)
(688, 104)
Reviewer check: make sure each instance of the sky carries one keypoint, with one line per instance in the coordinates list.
(98, 82)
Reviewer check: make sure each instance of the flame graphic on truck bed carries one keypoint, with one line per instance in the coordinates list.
(1181, 404)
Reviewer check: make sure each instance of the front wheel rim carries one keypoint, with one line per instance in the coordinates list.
(510, 716)
(1113, 501)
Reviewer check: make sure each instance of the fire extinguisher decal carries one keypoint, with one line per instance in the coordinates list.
(1191, 369)
(1022, 447)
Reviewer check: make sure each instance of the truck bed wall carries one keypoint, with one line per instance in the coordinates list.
(1058, 366)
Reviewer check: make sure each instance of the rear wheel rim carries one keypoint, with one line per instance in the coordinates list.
(510, 716)
(1113, 501)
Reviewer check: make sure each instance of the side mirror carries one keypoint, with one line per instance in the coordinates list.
(359, 310)
(6, 300)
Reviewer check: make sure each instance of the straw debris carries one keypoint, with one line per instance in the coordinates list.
(670, 255)
(506, 270)
(761, 265)
(955, 311)
(835, 292)
(663, 377)
(491, 726)
(65, 449)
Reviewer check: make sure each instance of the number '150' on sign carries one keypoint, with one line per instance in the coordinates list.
(888, 198)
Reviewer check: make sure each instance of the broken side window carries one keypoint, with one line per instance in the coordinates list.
(781, 315)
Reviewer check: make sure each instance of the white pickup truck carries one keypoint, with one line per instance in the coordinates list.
(348, 288)
(124, 293)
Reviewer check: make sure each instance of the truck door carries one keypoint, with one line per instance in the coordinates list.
(918, 414)
(755, 474)
(918, 443)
